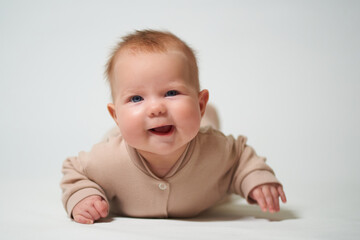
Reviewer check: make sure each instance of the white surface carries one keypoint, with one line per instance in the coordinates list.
(284, 73)
(320, 212)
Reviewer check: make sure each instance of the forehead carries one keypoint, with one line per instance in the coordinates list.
(127, 55)
(147, 65)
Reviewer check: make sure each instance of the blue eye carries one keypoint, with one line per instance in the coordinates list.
(136, 98)
(171, 93)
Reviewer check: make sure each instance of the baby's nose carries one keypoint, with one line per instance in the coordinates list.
(156, 109)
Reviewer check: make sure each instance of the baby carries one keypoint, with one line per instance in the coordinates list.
(161, 164)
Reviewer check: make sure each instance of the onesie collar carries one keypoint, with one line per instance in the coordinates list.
(140, 162)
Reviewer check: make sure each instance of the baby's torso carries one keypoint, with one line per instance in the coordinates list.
(133, 191)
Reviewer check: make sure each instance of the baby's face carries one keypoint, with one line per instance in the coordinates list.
(156, 105)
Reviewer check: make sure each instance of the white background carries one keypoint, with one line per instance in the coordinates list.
(284, 73)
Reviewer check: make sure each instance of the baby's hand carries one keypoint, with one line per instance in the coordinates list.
(90, 209)
(267, 196)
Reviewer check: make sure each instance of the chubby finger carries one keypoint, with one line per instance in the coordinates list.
(80, 210)
(260, 199)
(81, 219)
(101, 207)
(93, 212)
(268, 198)
(282, 194)
(275, 196)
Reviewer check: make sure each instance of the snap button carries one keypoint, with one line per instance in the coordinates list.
(162, 186)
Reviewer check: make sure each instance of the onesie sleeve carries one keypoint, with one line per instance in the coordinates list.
(76, 184)
(251, 170)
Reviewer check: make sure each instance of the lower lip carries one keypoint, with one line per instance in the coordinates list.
(164, 134)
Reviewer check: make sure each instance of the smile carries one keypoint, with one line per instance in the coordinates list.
(163, 130)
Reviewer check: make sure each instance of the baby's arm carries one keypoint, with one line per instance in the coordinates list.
(90, 209)
(267, 196)
(255, 180)
(80, 194)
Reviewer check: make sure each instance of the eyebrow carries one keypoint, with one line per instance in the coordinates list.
(130, 92)
(177, 84)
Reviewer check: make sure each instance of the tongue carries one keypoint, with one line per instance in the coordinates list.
(164, 129)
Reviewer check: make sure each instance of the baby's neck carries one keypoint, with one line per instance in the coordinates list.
(161, 165)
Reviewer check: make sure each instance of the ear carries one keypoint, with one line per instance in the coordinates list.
(112, 111)
(203, 99)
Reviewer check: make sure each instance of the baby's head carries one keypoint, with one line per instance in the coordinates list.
(157, 102)
(150, 41)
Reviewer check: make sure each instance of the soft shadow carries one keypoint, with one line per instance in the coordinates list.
(230, 210)
(110, 218)
(242, 211)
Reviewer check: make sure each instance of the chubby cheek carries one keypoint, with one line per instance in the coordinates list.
(188, 117)
(131, 125)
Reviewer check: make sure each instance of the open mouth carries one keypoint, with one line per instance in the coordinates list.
(163, 130)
